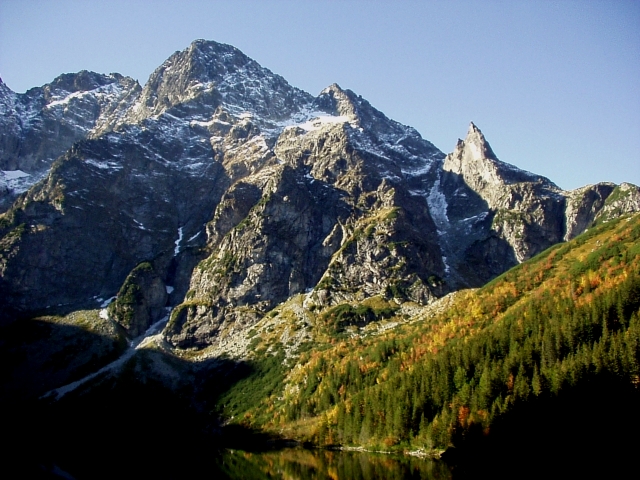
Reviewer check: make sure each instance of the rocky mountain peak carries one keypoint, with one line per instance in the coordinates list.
(478, 144)
(82, 81)
(7, 98)
(40, 125)
(372, 129)
(474, 159)
(336, 101)
(4, 89)
(204, 62)
(195, 81)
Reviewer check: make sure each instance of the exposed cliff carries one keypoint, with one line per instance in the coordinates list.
(43, 123)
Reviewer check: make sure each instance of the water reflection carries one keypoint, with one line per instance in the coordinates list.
(303, 464)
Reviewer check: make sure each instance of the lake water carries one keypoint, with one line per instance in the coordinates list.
(303, 464)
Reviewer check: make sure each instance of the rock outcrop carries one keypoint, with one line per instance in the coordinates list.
(140, 301)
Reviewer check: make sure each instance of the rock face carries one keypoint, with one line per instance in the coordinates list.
(583, 205)
(241, 191)
(140, 301)
(499, 215)
(43, 123)
(515, 214)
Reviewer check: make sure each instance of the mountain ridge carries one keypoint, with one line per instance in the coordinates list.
(214, 143)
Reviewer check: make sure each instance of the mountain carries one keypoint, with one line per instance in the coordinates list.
(337, 197)
(218, 201)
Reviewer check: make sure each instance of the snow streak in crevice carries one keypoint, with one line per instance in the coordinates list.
(176, 250)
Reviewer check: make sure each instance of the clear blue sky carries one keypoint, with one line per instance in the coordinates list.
(554, 86)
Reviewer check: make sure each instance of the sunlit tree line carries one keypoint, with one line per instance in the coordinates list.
(567, 317)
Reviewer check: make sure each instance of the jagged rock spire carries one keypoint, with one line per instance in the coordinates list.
(474, 159)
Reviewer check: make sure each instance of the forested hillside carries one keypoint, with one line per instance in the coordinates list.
(565, 320)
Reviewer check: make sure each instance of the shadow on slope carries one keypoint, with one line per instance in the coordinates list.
(584, 431)
(40, 354)
(145, 418)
